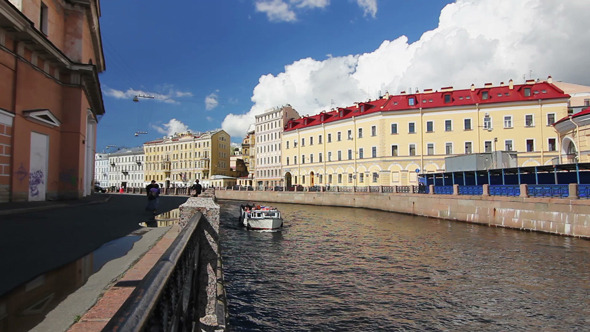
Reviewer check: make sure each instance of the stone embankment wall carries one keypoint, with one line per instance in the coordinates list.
(560, 216)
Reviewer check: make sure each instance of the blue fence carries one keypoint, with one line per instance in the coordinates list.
(471, 190)
(584, 190)
(548, 190)
(443, 190)
(504, 190)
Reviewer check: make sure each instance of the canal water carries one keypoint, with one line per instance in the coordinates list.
(343, 269)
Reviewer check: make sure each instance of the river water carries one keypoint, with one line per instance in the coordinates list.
(344, 269)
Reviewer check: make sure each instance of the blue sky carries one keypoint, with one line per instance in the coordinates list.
(215, 64)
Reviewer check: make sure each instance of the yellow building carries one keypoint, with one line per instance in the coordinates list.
(391, 140)
(179, 160)
(574, 135)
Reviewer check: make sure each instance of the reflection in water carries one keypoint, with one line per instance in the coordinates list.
(335, 269)
(26, 306)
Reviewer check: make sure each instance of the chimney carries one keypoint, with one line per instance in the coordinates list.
(530, 81)
(549, 79)
(402, 93)
(428, 91)
(472, 87)
(447, 88)
(488, 85)
(501, 83)
(511, 84)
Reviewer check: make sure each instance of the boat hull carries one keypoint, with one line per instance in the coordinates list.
(266, 224)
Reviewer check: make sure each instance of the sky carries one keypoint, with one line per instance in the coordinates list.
(210, 65)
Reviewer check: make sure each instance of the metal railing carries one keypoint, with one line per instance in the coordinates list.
(548, 190)
(504, 190)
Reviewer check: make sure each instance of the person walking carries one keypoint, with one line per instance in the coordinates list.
(153, 194)
(197, 188)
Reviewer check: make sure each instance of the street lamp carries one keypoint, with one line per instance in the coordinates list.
(136, 98)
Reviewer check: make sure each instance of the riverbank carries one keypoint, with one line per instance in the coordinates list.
(559, 216)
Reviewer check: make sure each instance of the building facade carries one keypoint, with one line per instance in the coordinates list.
(574, 135)
(390, 141)
(101, 169)
(126, 168)
(179, 160)
(269, 128)
(50, 98)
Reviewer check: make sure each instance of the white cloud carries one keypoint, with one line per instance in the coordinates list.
(168, 97)
(276, 10)
(311, 3)
(211, 101)
(369, 7)
(172, 127)
(475, 42)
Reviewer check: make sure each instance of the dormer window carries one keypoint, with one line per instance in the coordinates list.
(527, 92)
(484, 95)
(362, 108)
(447, 99)
(411, 101)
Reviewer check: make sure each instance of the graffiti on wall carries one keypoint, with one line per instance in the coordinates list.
(35, 179)
(22, 173)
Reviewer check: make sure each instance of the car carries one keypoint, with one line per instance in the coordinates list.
(100, 189)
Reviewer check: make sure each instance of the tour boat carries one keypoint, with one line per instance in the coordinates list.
(260, 218)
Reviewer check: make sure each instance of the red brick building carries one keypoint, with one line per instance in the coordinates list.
(50, 98)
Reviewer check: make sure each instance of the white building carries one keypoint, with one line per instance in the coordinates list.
(269, 129)
(101, 169)
(126, 168)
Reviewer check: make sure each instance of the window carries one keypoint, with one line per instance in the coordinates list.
(551, 144)
(394, 128)
(508, 145)
(373, 130)
(528, 120)
(448, 125)
(302, 159)
(484, 95)
(349, 134)
(429, 126)
(508, 121)
(329, 178)
(311, 140)
(303, 142)
(374, 152)
(394, 151)
(329, 138)
(320, 139)
(339, 136)
(449, 148)
(411, 127)
(361, 177)
(287, 161)
(467, 124)
(361, 153)
(430, 149)
(320, 157)
(349, 178)
(375, 177)
(287, 144)
(550, 119)
(468, 148)
(43, 19)
(295, 160)
(321, 178)
(411, 101)
(339, 155)
(360, 132)
(294, 143)
(339, 178)
(412, 149)
(349, 154)
(487, 146)
(527, 92)
(530, 145)
(447, 99)
(487, 122)
(330, 156)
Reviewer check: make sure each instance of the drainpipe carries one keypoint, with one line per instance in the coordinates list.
(354, 138)
(541, 129)
(422, 142)
(577, 139)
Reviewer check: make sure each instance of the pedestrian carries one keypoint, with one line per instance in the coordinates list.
(197, 188)
(153, 194)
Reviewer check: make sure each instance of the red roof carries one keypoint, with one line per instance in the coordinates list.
(585, 111)
(437, 99)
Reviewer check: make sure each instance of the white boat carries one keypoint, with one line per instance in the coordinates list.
(260, 218)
